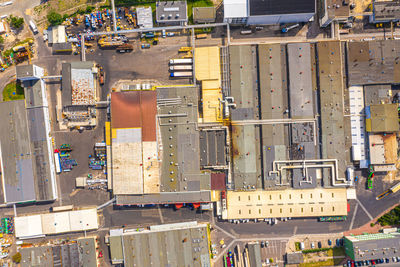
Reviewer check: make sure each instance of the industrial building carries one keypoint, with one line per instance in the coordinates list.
(144, 17)
(178, 244)
(333, 10)
(372, 246)
(204, 14)
(170, 13)
(258, 12)
(79, 95)
(40, 225)
(373, 62)
(57, 35)
(81, 252)
(27, 167)
(385, 11)
(160, 143)
(293, 203)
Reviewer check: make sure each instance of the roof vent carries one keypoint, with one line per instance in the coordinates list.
(177, 16)
(169, 16)
(162, 16)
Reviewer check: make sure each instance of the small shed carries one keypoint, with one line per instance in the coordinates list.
(144, 17)
(57, 34)
(204, 14)
(294, 258)
(171, 13)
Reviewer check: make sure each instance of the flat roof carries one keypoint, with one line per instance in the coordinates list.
(384, 11)
(382, 118)
(300, 80)
(41, 256)
(213, 148)
(331, 102)
(235, 8)
(16, 157)
(373, 62)
(135, 109)
(383, 148)
(169, 245)
(204, 14)
(32, 226)
(245, 152)
(207, 63)
(144, 17)
(24, 71)
(278, 7)
(171, 11)
(286, 203)
(87, 248)
(83, 83)
(377, 94)
(165, 198)
(372, 246)
(180, 141)
(116, 253)
(254, 254)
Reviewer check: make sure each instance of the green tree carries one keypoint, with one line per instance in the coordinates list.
(16, 22)
(16, 257)
(54, 18)
(1, 39)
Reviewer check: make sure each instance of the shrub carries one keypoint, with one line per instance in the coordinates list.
(54, 18)
(16, 22)
(16, 257)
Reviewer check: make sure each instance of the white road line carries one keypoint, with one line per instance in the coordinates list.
(225, 232)
(295, 230)
(160, 213)
(366, 211)
(354, 216)
(224, 251)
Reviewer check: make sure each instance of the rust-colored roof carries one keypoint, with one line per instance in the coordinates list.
(217, 181)
(135, 109)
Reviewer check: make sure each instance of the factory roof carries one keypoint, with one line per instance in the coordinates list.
(235, 8)
(83, 83)
(274, 103)
(286, 203)
(382, 118)
(212, 148)
(218, 181)
(372, 246)
(57, 34)
(182, 244)
(144, 17)
(171, 11)
(62, 48)
(180, 141)
(245, 152)
(278, 7)
(87, 248)
(165, 198)
(204, 14)
(385, 11)
(55, 223)
(373, 62)
(37, 257)
(300, 80)
(207, 63)
(383, 148)
(336, 9)
(25, 71)
(331, 102)
(116, 250)
(135, 109)
(135, 162)
(377, 94)
(16, 158)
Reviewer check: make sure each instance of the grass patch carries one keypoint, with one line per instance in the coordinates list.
(330, 262)
(306, 251)
(13, 91)
(390, 218)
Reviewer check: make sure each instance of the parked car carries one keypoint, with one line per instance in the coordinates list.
(163, 34)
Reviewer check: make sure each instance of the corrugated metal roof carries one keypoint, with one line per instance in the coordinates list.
(135, 109)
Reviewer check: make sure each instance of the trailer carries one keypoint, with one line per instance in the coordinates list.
(391, 190)
(57, 162)
(181, 67)
(183, 74)
(180, 61)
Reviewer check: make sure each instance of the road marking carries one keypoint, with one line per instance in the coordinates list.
(366, 211)
(224, 251)
(354, 216)
(160, 213)
(225, 232)
(295, 230)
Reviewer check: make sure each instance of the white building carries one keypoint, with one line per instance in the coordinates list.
(265, 12)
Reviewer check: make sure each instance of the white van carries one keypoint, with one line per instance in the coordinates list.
(33, 27)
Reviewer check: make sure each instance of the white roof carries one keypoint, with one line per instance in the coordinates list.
(144, 17)
(235, 8)
(357, 123)
(28, 226)
(55, 223)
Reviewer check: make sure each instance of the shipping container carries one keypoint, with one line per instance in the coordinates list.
(181, 67)
(180, 61)
(184, 74)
